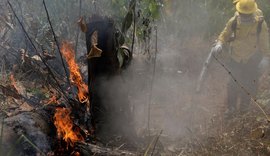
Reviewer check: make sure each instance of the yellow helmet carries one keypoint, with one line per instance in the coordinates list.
(246, 6)
(235, 1)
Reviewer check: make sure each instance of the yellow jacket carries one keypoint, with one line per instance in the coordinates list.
(245, 43)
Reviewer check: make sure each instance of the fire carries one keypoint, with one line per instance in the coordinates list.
(65, 127)
(75, 75)
(62, 120)
(13, 83)
(53, 99)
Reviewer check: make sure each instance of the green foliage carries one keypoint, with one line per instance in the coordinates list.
(129, 17)
(149, 8)
(145, 13)
(264, 5)
(148, 12)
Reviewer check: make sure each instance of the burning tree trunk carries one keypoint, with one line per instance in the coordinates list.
(33, 133)
(102, 41)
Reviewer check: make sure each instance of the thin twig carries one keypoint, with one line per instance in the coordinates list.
(3, 71)
(78, 29)
(181, 153)
(233, 146)
(1, 135)
(156, 142)
(118, 148)
(152, 83)
(56, 41)
(134, 28)
(243, 88)
(95, 5)
(20, 6)
(148, 147)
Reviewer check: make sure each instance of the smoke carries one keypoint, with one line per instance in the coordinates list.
(175, 107)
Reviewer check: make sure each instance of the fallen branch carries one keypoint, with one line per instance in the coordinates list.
(90, 149)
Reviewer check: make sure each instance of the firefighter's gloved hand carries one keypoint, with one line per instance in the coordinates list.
(264, 64)
(217, 49)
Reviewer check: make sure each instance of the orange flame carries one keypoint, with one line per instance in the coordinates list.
(13, 83)
(75, 75)
(65, 128)
(53, 99)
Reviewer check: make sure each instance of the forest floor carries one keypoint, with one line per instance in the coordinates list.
(191, 123)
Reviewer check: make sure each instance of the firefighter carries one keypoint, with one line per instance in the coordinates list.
(246, 33)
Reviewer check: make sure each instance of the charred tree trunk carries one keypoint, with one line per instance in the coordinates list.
(102, 70)
(28, 133)
(103, 66)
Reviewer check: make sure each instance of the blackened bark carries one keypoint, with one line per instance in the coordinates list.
(107, 117)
